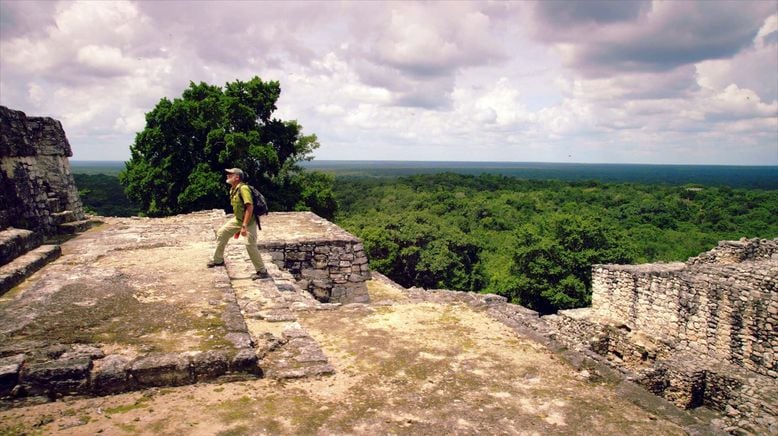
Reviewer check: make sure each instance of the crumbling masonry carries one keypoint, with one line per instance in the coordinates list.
(696, 333)
(38, 196)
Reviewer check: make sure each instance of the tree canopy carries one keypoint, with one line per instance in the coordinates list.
(178, 159)
(535, 241)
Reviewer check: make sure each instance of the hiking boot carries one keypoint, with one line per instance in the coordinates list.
(212, 264)
(260, 275)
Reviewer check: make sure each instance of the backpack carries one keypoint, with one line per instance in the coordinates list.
(260, 204)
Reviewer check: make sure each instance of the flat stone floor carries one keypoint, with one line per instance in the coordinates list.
(140, 285)
(137, 291)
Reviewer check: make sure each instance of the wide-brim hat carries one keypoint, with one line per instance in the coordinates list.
(237, 171)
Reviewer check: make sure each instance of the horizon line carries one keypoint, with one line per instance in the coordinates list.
(303, 162)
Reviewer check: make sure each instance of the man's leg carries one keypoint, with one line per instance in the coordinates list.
(222, 237)
(251, 247)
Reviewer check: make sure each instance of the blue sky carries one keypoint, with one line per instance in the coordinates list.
(676, 82)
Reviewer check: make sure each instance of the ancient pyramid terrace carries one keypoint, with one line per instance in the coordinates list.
(128, 330)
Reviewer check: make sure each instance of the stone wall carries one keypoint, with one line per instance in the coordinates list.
(695, 333)
(37, 190)
(737, 251)
(722, 304)
(325, 260)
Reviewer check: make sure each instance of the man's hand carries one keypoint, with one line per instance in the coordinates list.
(246, 218)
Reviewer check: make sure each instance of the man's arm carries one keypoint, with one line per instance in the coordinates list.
(246, 218)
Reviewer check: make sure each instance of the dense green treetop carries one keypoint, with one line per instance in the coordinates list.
(178, 159)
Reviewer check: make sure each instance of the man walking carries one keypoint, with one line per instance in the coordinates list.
(244, 222)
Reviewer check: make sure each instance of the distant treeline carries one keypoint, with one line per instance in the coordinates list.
(535, 241)
(764, 177)
(107, 167)
(103, 195)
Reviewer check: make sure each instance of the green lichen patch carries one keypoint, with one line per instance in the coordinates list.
(140, 403)
(270, 413)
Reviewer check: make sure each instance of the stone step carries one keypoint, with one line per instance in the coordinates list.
(15, 242)
(53, 203)
(270, 307)
(63, 217)
(24, 266)
(73, 227)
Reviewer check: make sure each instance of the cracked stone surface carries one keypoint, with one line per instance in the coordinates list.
(134, 293)
(131, 305)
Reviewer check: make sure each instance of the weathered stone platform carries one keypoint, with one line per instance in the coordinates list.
(131, 304)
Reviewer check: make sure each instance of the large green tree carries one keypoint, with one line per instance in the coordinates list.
(554, 255)
(178, 160)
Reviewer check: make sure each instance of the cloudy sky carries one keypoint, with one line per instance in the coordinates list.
(681, 82)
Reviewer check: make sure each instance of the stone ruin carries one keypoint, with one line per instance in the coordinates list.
(38, 196)
(327, 261)
(699, 333)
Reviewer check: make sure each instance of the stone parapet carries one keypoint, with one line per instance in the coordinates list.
(324, 259)
(723, 311)
(35, 178)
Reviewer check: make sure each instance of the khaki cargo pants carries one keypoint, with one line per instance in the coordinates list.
(227, 231)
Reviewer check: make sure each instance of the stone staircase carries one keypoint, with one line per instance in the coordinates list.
(68, 223)
(269, 306)
(22, 252)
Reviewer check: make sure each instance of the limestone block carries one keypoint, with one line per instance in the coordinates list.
(161, 370)
(15, 242)
(111, 375)
(314, 274)
(321, 283)
(209, 365)
(233, 319)
(61, 376)
(296, 256)
(83, 350)
(239, 339)
(9, 373)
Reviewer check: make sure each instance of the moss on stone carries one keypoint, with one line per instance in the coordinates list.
(235, 431)
(239, 409)
(120, 318)
(140, 403)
